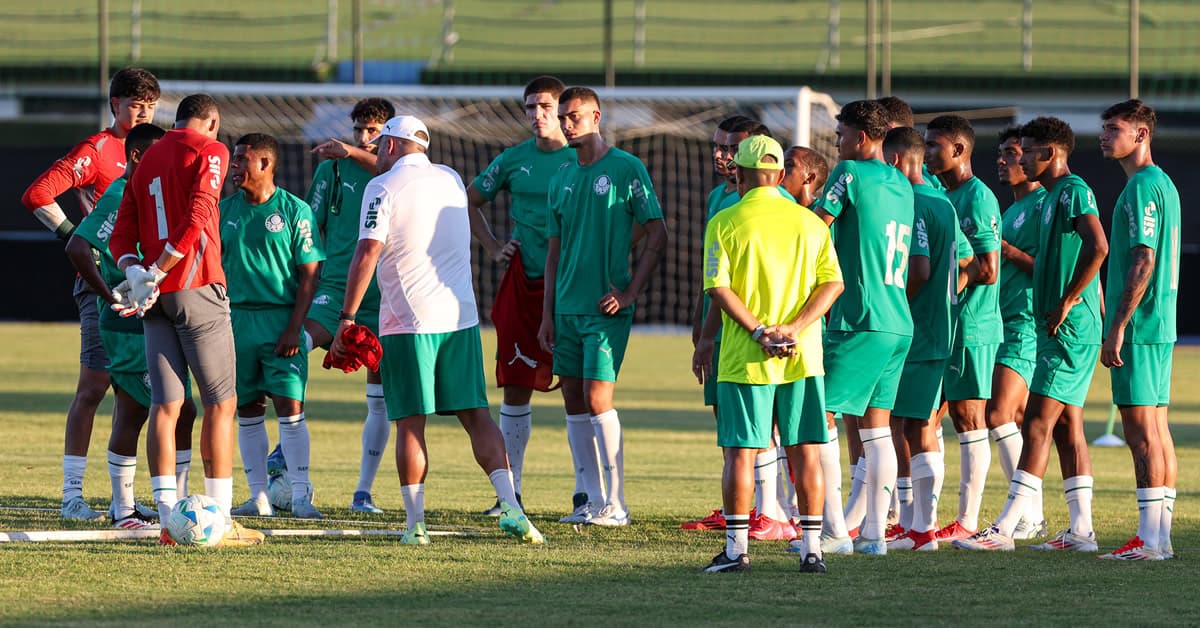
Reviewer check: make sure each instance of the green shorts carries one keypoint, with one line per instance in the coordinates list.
(259, 370)
(862, 369)
(1018, 351)
(1145, 379)
(920, 390)
(969, 372)
(710, 386)
(1064, 370)
(326, 310)
(590, 347)
(433, 373)
(746, 412)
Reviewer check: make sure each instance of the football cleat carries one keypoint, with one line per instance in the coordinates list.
(837, 545)
(812, 564)
(954, 532)
(165, 539)
(362, 503)
(611, 516)
(1133, 549)
(494, 511)
(240, 536)
(1026, 530)
(1067, 540)
(916, 541)
(77, 508)
(724, 564)
(514, 522)
(582, 514)
(1167, 550)
(715, 521)
(894, 531)
(135, 521)
(304, 509)
(988, 539)
(872, 547)
(764, 528)
(253, 508)
(416, 535)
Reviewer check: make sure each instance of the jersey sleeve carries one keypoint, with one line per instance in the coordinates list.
(375, 218)
(125, 234)
(828, 267)
(78, 168)
(492, 179)
(837, 190)
(641, 196)
(716, 257)
(961, 243)
(93, 227)
(305, 248)
(554, 199)
(1078, 201)
(202, 198)
(920, 241)
(1144, 214)
(979, 222)
(321, 192)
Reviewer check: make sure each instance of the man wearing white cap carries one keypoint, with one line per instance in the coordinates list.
(415, 228)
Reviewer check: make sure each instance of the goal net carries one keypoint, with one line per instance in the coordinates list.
(670, 129)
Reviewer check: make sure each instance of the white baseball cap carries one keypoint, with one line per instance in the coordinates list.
(405, 128)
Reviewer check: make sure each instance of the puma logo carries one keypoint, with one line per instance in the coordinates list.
(530, 362)
(347, 184)
(568, 189)
(232, 223)
(606, 351)
(295, 367)
(955, 368)
(527, 170)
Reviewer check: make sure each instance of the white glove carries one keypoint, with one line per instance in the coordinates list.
(143, 285)
(122, 303)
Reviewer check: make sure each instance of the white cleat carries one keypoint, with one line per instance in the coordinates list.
(1067, 540)
(1026, 530)
(304, 509)
(77, 508)
(611, 516)
(253, 508)
(582, 514)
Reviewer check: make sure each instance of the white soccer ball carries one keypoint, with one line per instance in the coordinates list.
(279, 491)
(197, 520)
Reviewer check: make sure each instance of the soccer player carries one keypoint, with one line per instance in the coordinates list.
(900, 114)
(270, 258)
(1066, 306)
(125, 347)
(932, 288)
(169, 215)
(335, 196)
(595, 201)
(870, 328)
(521, 364)
(773, 272)
(415, 227)
(89, 169)
(949, 144)
(1015, 356)
(804, 174)
(1139, 323)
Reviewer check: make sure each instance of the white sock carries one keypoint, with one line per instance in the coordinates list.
(183, 466)
(881, 479)
(516, 423)
(163, 487)
(786, 491)
(581, 436)
(1078, 491)
(856, 505)
(1008, 442)
(831, 467)
(376, 430)
(737, 535)
(766, 479)
(1168, 512)
(502, 481)
(297, 450)
(976, 458)
(940, 478)
(904, 495)
(254, 445)
(1021, 490)
(221, 490)
(414, 504)
(925, 467)
(73, 469)
(810, 533)
(1150, 507)
(607, 426)
(121, 470)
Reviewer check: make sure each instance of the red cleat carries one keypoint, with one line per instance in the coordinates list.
(954, 532)
(764, 528)
(715, 521)
(894, 532)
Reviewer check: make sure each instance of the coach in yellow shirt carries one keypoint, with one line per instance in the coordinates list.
(772, 269)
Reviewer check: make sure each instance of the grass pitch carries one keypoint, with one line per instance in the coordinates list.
(647, 573)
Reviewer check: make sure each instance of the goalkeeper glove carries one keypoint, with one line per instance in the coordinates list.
(143, 285)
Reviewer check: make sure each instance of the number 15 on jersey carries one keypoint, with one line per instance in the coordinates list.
(897, 254)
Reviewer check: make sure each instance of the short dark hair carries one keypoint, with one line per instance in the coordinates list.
(811, 161)
(546, 84)
(899, 112)
(730, 122)
(867, 116)
(956, 126)
(1010, 132)
(140, 138)
(1132, 110)
(373, 110)
(195, 107)
(905, 141)
(138, 83)
(586, 94)
(750, 126)
(1050, 130)
(260, 142)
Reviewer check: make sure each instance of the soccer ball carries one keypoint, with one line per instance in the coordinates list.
(197, 520)
(279, 491)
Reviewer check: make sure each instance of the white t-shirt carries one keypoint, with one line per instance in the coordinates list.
(418, 210)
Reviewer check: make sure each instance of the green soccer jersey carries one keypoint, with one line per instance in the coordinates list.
(592, 212)
(719, 198)
(935, 235)
(1020, 229)
(262, 245)
(96, 228)
(335, 197)
(978, 212)
(872, 204)
(930, 179)
(1059, 246)
(525, 171)
(1147, 214)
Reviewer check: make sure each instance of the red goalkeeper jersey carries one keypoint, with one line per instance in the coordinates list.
(171, 204)
(89, 168)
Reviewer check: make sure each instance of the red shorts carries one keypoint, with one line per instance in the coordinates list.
(517, 315)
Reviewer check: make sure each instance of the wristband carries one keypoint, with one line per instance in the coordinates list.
(758, 332)
(346, 316)
(64, 230)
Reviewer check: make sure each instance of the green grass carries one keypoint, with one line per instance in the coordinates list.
(644, 574)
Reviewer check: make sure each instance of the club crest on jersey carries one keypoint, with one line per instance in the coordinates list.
(321, 299)
(274, 223)
(968, 226)
(1019, 221)
(602, 185)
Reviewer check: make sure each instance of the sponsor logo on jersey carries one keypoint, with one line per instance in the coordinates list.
(838, 189)
(321, 299)
(214, 169)
(1019, 221)
(274, 223)
(526, 170)
(81, 167)
(106, 229)
(347, 184)
(922, 234)
(318, 195)
(602, 185)
(712, 260)
(372, 219)
(1149, 222)
(304, 227)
